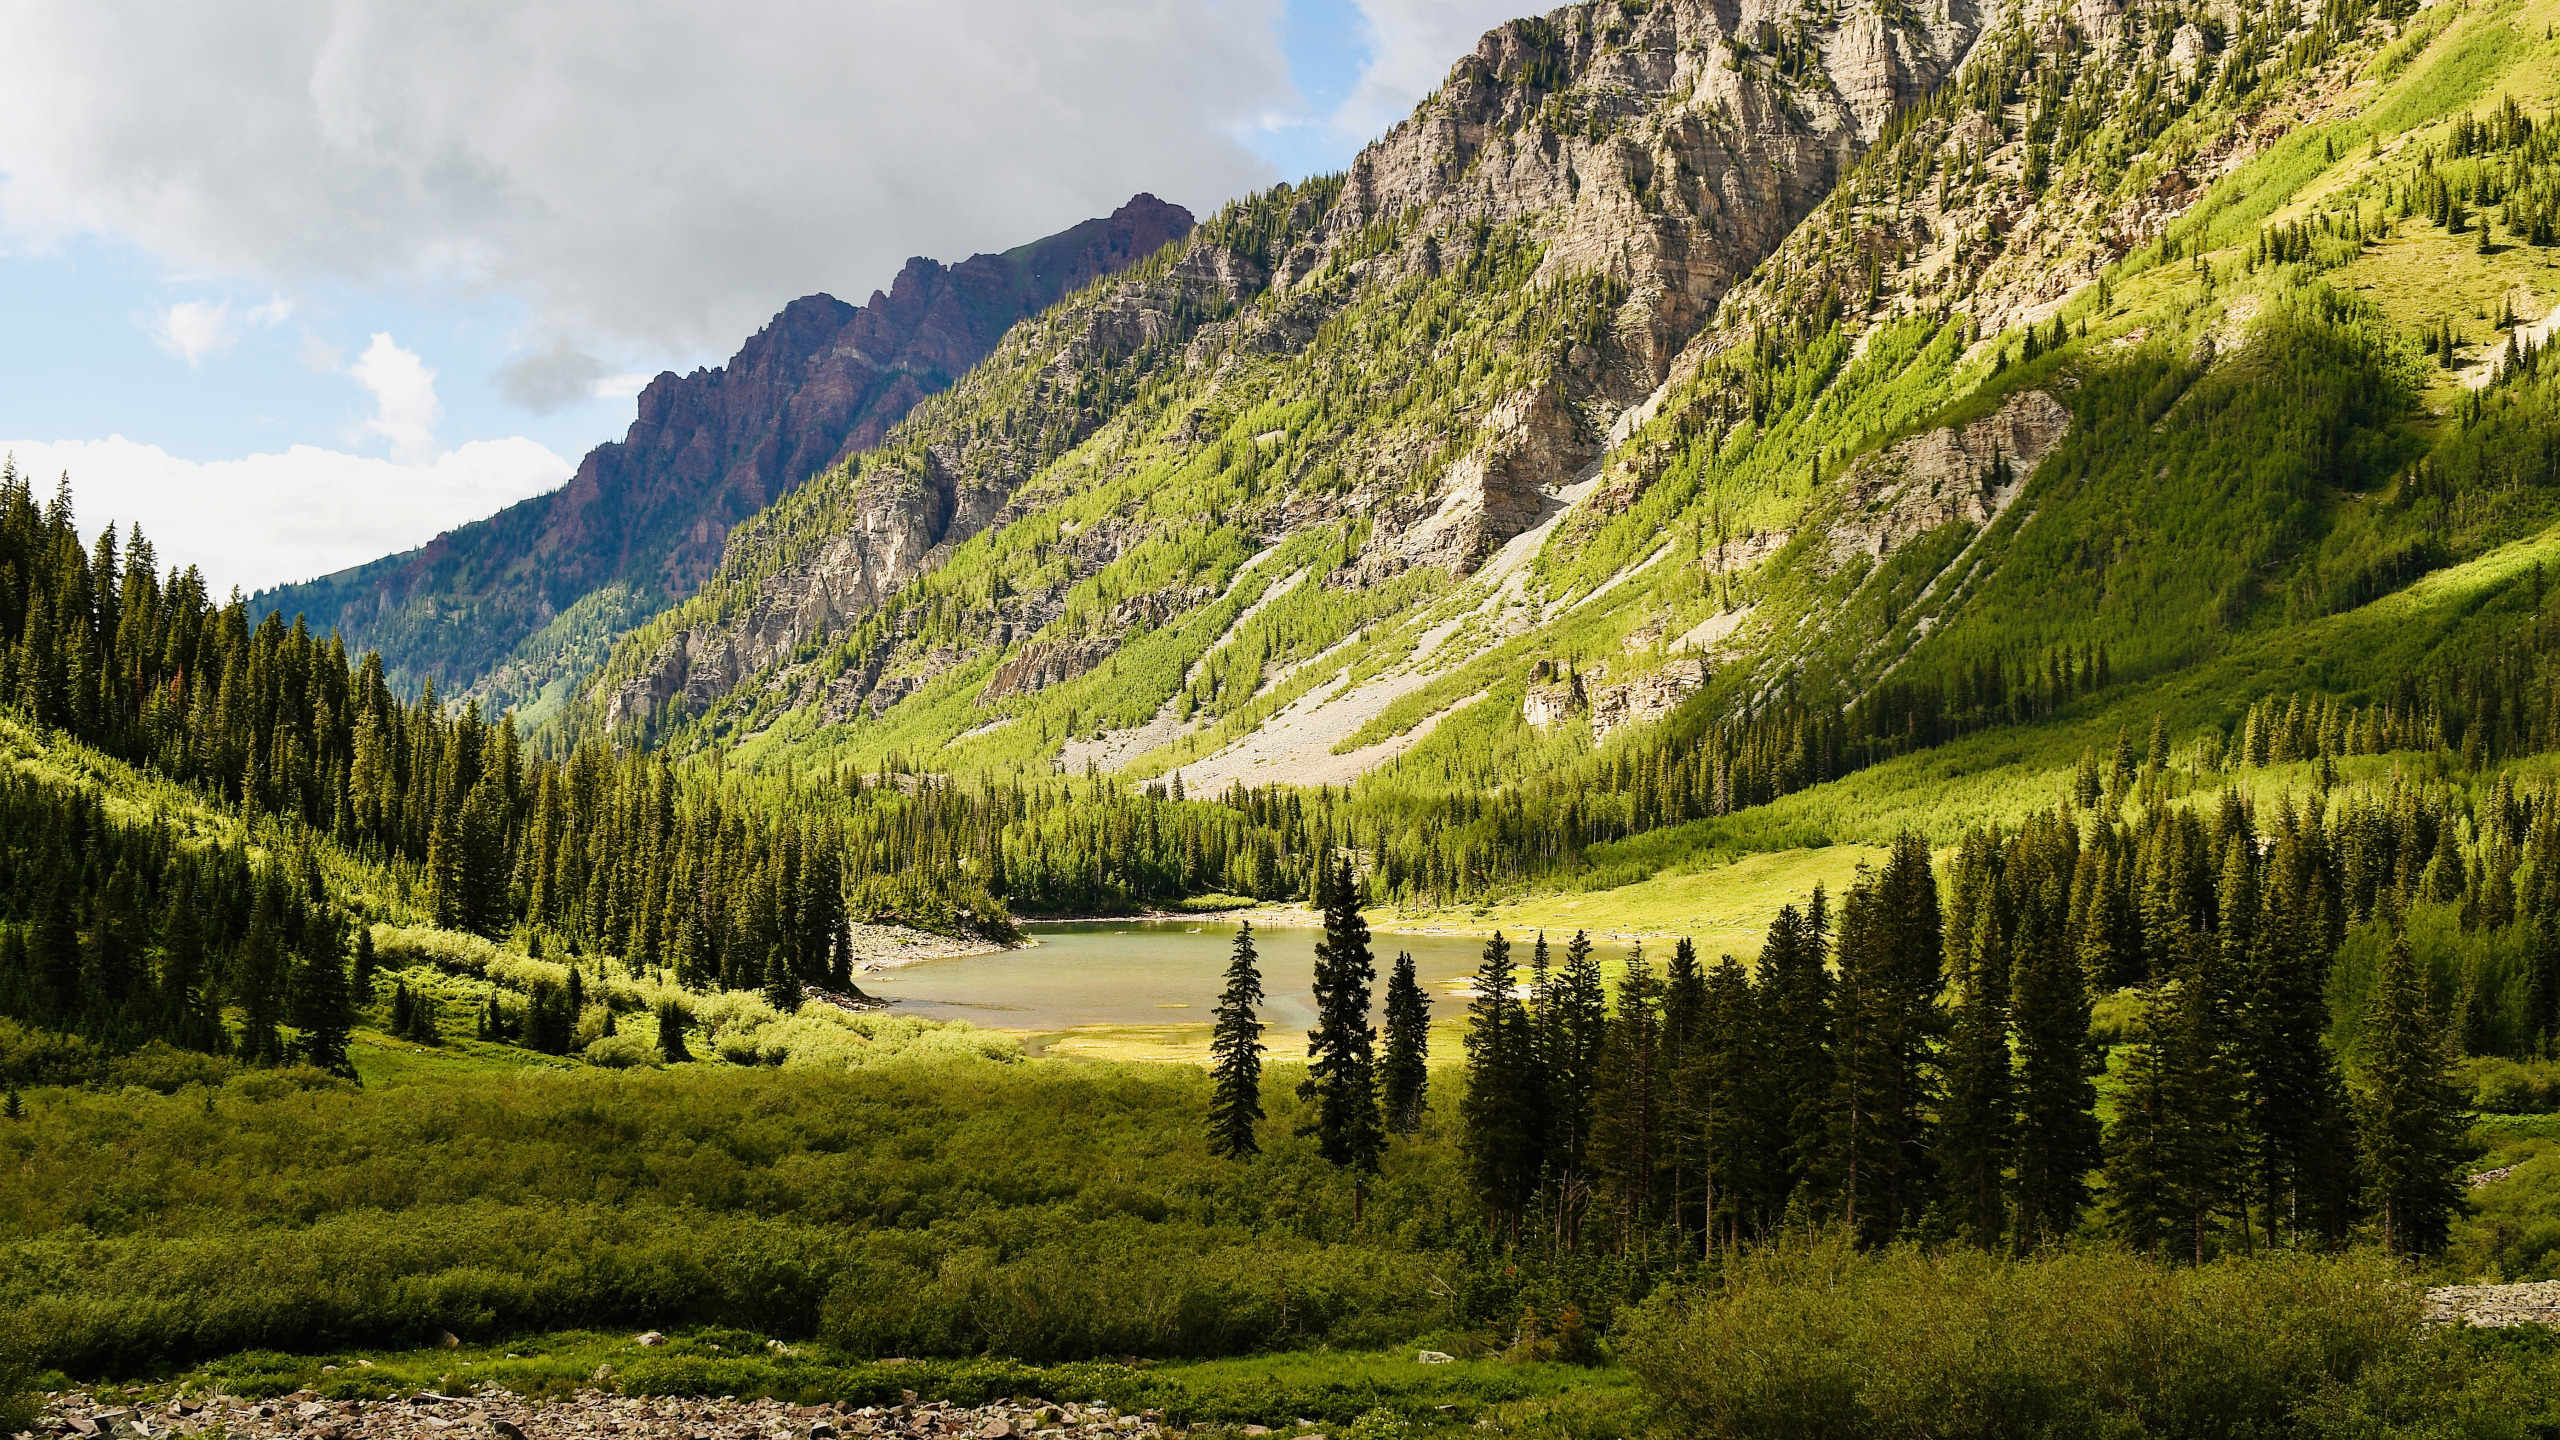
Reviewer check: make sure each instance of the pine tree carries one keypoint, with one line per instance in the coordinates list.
(1341, 1050)
(1794, 1034)
(1498, 1123)
(1235, 1049)
(1628, 1102)
(2058, 1135)
(781, 982)
(2139, 1144)
(261, 980)
(1978, 1118)
(1888, 1027)
(2409, 1114)
(366, 965)
(53, 951)
(671, 1023)
(320, 1007)
(1405, 1077)
(191, 1019)
(1575, 1033)
(1738, 1100)
(13, 1108)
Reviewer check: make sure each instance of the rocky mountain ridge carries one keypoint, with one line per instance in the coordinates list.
(645, 518)
(1635, 159)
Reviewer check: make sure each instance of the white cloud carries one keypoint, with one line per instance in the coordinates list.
(1413, 43)
(193, 329)
(643, 175)
(405, 408)
(271, 519)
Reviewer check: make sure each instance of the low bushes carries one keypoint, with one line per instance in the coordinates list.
(1818, 1340)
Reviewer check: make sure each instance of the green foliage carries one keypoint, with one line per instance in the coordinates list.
(1820, 1339)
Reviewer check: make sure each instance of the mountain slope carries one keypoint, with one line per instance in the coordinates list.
(1404, 359)
(505, 606)
(1643, 436)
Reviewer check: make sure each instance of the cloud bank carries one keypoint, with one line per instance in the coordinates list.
(272, 519)
(641, 174)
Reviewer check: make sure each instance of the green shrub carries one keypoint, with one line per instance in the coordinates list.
(2500, 1086)
(1819, 1340)
(623, 1050)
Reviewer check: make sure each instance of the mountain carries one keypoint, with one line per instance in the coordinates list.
(1676, 414)
(1417, 351)
(503, 607)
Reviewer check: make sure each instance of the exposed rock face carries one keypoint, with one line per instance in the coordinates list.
(1646, 698)
(1555, 696)
(823, 380)
(1654, 153)
(1969, 474)
(1041, 665)
(1534, 442)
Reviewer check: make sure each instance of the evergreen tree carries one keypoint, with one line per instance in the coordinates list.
(2058, 1135)
(781, 982)
(1235, 1050)
(112, 967)
(1740, 1104)
(261, 980)
(1341, 1049)
(1498, 1122)
(1405, 1076)
(1889, 1025)
(320, 1004)
(2409, 1117)
(1629, 1101)
(1575, 1033)
(1978, 1118)
(53, 951)
(1794, 1035)
(671, 1023)
(186, 991)
(366, 965)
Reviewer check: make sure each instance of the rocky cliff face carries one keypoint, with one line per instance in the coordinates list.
(652, 511)
(1650, 155)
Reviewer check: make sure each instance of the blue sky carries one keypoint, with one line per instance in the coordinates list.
(305, 346)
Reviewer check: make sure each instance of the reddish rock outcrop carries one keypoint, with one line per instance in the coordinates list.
(653, 510)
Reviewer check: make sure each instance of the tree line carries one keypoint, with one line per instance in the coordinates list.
(1920, 1063)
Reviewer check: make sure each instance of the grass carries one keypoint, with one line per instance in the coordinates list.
(1725, 907)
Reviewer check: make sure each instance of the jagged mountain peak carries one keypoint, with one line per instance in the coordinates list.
(512, 608)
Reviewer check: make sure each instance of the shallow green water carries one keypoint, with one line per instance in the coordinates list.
(1132, 972)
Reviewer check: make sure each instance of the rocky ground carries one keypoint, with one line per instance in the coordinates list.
(885, 947)
(591, 1415)
(2495, 1306)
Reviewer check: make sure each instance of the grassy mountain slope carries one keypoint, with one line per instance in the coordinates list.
(2127, 341)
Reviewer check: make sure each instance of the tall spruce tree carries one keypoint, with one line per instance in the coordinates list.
(1741, 1105)
(1629, 1101)
(2058, 1136)
(1499, 1129)
(1235, 1054)
(1342, 1078)
(321, 1008)
(1794, 1016)
(1889, 1025)
(1978, 1117)
(260, 969)
(1575, 1033)
(2408, 1114)
(1405, 1077)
